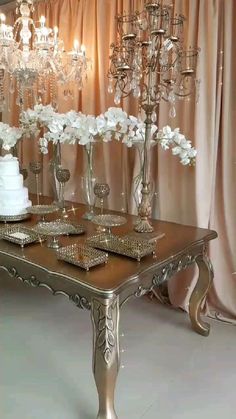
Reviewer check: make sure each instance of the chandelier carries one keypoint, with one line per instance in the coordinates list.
(33, 60)
(150, 62)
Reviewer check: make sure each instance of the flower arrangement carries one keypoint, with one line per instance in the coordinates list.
(9, 136)
(78, 128)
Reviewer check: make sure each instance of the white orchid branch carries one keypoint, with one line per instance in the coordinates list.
(77, 128)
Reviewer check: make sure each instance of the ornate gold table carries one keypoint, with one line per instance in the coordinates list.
(104, 289)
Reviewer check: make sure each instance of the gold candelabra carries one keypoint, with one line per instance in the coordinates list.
(150, 62)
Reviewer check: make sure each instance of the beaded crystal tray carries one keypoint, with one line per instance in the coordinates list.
(125, 246)
(83, 256)
(75, 228)
(20, 235)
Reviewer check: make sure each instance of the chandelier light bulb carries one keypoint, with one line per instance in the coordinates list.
(42, 20)
(2, 18)
(76, 45)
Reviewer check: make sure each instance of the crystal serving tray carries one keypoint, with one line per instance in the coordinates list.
(83, 256)
(75, 228)
(53, 228)
(20, 235)
(42, 209)
(14, 218)
(125, 246)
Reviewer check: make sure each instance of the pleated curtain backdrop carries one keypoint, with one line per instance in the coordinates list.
(204, 195)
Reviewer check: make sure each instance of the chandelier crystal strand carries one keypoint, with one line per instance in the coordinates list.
(32, 54)
(149, 61)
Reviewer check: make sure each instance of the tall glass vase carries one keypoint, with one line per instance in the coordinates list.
(54, 164)
(88, 181)
(137, 180)
(137, 183)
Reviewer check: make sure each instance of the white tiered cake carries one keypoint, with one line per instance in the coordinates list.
(14, 197)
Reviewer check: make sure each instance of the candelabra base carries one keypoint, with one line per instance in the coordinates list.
(143, 226)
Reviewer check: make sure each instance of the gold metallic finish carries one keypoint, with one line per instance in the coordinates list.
(143, 61)
(53, 230)
(125, 246)
(84, 257)
(105, 319)
(199, 293)
(20, 235)
(105, 289)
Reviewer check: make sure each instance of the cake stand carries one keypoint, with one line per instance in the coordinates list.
(53, 230)
(42, 211)
(108, 221)
(14, 218)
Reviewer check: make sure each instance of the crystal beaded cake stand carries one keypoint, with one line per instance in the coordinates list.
(42, 210)
(14, 218)
(53, 230)
(108, 221)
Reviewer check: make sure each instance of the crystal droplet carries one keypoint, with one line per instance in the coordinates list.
(172, 113)
(154, 117)
(171, 97)
(117, 98)
(110, 88)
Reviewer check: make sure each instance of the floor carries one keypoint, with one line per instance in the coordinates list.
(168, 372)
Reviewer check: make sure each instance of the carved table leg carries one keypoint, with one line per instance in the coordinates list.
(199, 293)
(105, 318)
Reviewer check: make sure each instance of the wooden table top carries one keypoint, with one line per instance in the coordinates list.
(119, 270)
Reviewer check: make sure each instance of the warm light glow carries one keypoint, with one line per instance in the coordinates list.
(2, 18)
(83, 49)
(27, 64)
(42, 20)
(76, 45)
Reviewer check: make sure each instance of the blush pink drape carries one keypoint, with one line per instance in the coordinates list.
(204, 195)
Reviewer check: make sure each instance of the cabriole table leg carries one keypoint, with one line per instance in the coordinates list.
(199, 293)
(105, 318)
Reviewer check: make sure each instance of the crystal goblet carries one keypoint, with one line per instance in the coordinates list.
(36, 168)
(101, 191)
(63, 176)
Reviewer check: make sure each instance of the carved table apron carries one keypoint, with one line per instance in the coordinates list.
(105, 289)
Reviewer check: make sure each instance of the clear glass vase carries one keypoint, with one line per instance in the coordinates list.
(88, 181)
(137, 183)
(54, 164)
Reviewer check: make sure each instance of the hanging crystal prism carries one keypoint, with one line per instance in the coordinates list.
(172, 112)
